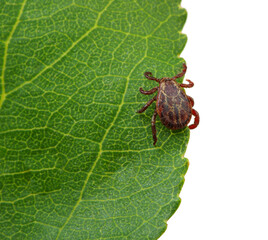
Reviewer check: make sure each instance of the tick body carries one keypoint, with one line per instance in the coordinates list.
(173, 106)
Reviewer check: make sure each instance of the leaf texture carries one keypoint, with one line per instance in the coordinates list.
(76, 160)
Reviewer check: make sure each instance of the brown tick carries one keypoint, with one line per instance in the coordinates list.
(173, 106)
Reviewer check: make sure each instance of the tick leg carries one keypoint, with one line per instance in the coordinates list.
(196, 120)
(191, 100)
(149, 76)
(189, 85)
(148, 92)
(181, 73)
(153, 126)
(147, 104)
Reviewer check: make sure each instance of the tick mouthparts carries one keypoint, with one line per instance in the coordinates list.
(166, 79)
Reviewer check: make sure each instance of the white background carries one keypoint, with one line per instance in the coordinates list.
(225, 195)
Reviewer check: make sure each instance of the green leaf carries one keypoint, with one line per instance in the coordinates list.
(77, 161)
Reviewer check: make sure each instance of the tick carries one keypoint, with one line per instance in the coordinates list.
(173, 106)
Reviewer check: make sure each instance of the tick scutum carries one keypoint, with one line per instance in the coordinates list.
(173, 106)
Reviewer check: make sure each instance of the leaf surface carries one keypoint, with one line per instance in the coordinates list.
(76, 160)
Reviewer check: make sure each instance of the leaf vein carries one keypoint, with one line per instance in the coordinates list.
(3, 95)
(62, 55)
(103, 139)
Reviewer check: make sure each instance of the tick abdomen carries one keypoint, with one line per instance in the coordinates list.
(172, 105)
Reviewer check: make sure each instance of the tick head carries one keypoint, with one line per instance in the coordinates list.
(165, 79)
